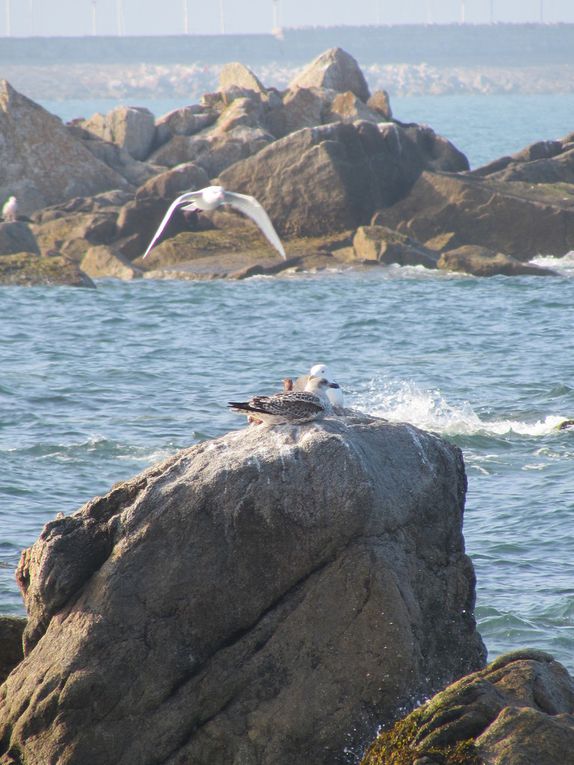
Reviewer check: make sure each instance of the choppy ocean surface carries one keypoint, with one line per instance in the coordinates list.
(98, 384)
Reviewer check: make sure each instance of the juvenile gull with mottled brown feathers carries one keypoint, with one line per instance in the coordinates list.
(291, 407)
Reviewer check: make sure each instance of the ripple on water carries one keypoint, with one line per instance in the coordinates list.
(100, 384)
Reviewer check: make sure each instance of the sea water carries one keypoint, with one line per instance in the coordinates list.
(98, 384)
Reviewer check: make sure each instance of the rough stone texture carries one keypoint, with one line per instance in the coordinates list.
(69, 231)
(332, 177)
(266, 597)
(520, 220)
(17, 237)
(215, 151)
(40, 162)
(303, 107)
(545, 162)
(130, 127)
(184, 121)
(382, 245)
(236, 75)
(27, 269)
(519, 710)
(380, 102)
(480, 261)
(242, 112)
(114, 156)
(171, 183)
(349, 108)
(11, 652)
(334, 69)
(102, 261)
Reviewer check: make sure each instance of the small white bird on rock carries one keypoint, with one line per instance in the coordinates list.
(10, 210)
(211, 198)
(292, 407)
(334, 392)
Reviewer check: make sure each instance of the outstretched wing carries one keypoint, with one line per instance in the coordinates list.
(189, 196)
(250, 206)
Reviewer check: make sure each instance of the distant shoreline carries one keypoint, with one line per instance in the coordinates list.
(404, 60)
(498, 45)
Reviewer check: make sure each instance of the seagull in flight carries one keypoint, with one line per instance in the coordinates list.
(212, 197)
(292, 407)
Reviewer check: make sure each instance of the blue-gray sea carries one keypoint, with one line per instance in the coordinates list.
(96, 385)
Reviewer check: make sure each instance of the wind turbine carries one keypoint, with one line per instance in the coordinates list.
(428, 10)
(94, 17)
(542, 11)
(120, 17)
(492, 11)
(462, 12)
(185, 17)
(8, 19)
(221, 18)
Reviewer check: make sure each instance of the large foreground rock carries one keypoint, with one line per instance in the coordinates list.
(517, 711)
(333, 177)
(40, 162)
(267, 597)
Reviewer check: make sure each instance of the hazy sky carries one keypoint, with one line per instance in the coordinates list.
(160, 17)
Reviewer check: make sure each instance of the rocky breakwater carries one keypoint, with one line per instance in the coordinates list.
(342, 180)
(270, 596)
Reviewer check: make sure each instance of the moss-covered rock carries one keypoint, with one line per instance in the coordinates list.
(519, 709)
(27, 269)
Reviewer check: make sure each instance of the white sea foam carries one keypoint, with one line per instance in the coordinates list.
(564, 265)
(405, 401)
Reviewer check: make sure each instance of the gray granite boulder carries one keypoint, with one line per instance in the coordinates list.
(186, 120)
(129, 127)
(521, 220)
(270, 596)
(40, 162)
(333, 177)
(334, 69)
(236, 75)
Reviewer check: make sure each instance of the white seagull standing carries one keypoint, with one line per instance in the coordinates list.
(291, 407)
(10, 210)
(334, 392)
(212, 197)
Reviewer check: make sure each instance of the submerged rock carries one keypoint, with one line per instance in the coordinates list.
(267, 597)
(517, 711)
(480, 261)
